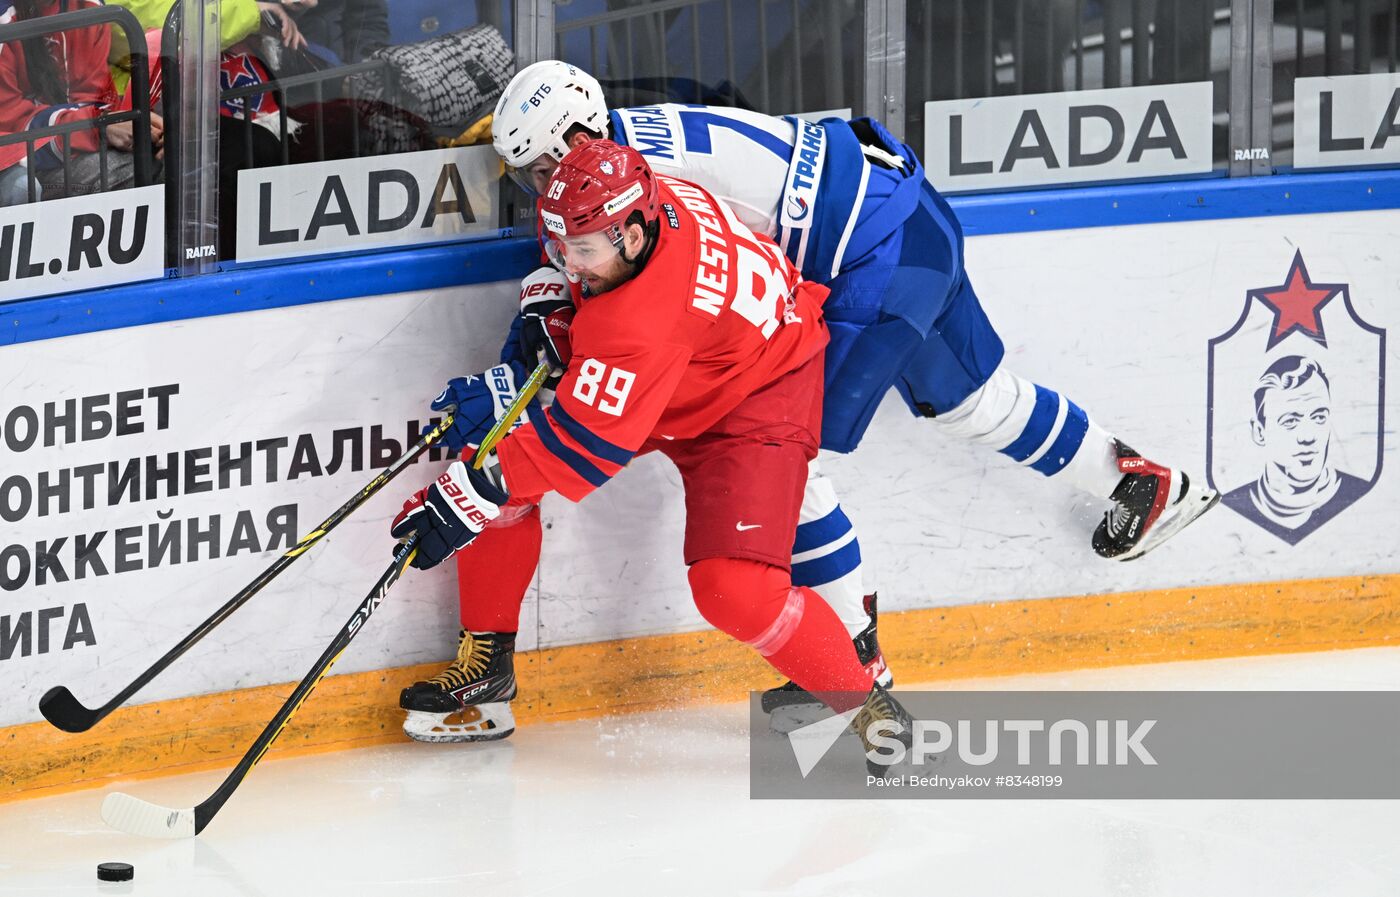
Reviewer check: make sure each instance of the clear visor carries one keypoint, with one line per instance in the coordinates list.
(533, 177)
(583, 254)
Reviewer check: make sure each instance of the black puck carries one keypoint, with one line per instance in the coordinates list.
(115, 872)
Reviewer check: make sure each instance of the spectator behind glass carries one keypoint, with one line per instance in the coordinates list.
(241, 145)
(332, 122)
(56, 79)
(344, 31)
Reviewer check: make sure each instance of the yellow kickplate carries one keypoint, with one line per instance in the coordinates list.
(630, 675)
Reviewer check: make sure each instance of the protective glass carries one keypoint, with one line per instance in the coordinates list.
(534, 176)
(584, 254)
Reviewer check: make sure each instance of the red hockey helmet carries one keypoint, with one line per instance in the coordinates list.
(595, 189)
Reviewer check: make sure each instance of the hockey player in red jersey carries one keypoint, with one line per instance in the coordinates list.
(694, 338)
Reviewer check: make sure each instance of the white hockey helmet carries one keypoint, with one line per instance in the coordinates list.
(539, 106)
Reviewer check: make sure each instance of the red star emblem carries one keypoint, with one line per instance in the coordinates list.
(1297, 304)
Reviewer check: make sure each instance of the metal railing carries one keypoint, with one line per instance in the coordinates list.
(1372, 25)
(316, 81)
(876, 57)
(776, 55)
(971, 48)
(968, 49)
(139, 115)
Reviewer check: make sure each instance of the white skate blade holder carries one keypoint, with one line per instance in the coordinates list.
(790, 717)
(1198, 499)
(138, 817)
(478, 722)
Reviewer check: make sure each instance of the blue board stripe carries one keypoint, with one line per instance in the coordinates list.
(267, 286)
(1186, 200)
(442, 265)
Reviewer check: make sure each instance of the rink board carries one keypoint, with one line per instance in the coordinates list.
(667, 671)
(1120, 319)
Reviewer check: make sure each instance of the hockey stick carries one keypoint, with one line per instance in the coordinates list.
(513, 410)
(62, 709)
(139, 817)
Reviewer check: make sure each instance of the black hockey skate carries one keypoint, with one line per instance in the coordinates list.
(790, 707)
(470, 700)
(1151, 504)
(881, 706)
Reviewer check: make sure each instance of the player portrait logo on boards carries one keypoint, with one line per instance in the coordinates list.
(1295, 415)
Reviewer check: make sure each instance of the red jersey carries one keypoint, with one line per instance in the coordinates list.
(716, 314)
(80, 55)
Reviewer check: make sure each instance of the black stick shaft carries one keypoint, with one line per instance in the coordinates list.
(66, 714)
(402, 557)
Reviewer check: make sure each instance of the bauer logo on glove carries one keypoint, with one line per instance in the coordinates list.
(547, 284)
(480, 400)
(449, 514)
(465, 506)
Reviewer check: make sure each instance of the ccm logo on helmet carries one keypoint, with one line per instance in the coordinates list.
(464, 504)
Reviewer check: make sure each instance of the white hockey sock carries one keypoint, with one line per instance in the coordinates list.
(1094, 469)
(1038, 428)
(826, 553)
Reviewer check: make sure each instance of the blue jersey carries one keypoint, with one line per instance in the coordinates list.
(807, 185)
(850, 206)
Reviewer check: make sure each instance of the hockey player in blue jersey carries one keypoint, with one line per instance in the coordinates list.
(851, 207)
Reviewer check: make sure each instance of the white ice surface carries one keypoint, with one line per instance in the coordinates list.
(658, 804)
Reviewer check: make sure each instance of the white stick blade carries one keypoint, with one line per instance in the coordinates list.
(138, 817)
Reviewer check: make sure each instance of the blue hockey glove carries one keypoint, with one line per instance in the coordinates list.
(481, 400)
(511, 353)
(449, 514)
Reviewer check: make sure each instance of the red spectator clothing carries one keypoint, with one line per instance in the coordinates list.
(81, 55)
(241, 69)
(716, 314)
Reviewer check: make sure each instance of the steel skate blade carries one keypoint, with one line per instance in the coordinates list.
(478, 722)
